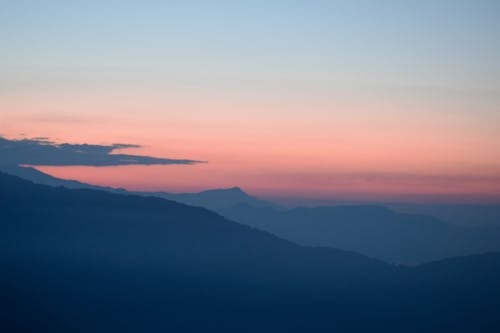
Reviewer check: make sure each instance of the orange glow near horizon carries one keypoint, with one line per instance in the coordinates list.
(349, 150)
(334, 186)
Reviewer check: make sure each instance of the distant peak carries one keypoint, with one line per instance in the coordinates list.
(234, 191)
(227, 191)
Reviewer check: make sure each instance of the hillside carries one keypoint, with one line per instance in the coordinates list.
(97, 261)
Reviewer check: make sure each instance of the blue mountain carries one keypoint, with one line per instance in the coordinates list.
(90, 261)
(373, 230)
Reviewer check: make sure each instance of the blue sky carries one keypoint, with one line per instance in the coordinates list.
(431, 44)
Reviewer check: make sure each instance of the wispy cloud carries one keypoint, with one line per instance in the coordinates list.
(41, 151)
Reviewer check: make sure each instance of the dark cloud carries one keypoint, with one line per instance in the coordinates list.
(41, 151)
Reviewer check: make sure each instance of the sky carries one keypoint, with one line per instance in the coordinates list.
(342, 100)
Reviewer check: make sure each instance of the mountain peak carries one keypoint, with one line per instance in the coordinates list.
(236, 189)
(231, 191)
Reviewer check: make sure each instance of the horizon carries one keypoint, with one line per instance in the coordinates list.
(290, 200)
(119, 176)
(312, 101)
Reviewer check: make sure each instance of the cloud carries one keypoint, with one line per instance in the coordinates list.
(41, 151)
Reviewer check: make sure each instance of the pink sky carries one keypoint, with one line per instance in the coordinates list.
(346, 150)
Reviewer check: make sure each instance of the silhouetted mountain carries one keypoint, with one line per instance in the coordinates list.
(375, 231)
(371, 230)
(211, 199)
(78, 214)
(52, 231)
(214, 199)
(103, 262)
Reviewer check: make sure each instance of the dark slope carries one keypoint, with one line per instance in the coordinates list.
(152, 227)
(98, 261)
(458, 294)
(76, 251)
(372, 230)
(18, 314)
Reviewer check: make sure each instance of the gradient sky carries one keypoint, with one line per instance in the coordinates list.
(349, 100)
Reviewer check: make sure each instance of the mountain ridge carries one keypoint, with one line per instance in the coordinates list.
(101, 261)
(371, 229)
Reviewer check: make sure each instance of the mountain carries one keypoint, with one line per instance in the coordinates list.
(375, 231)
(214, 199)
(95, 261)
(87, 243)
(69, 218)
(372, 230)
(211, 199)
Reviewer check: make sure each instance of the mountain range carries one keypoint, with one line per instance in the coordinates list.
(374, 230)
(86, 260)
